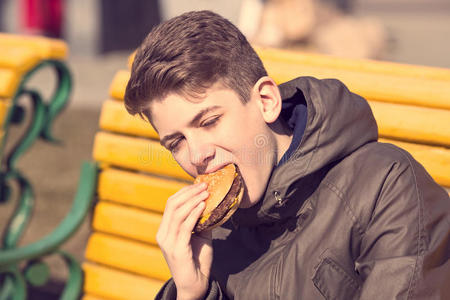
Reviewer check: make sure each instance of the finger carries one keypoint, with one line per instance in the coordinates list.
(185, 233)
(179, 199)
(193, 188)
(183, 212)
(178, 217)
(175, 201)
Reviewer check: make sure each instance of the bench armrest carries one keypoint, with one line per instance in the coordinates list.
(80, 207)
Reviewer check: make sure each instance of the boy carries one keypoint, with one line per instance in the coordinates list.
(328, 212)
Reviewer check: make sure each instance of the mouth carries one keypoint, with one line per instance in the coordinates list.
(215, 168)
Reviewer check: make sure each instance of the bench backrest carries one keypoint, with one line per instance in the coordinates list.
(410, 103)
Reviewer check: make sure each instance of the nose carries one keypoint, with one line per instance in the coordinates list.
(200, 153)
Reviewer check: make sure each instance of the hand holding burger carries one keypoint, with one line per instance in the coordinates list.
(208, 203)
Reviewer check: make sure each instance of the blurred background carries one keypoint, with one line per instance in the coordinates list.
(102, 33)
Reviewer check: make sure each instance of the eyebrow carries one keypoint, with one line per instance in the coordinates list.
(192, 123)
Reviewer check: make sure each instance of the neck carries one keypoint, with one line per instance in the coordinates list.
(283, 136)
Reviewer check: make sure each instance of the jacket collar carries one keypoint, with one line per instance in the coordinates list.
(293, 110)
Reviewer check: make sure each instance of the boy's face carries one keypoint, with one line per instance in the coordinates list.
(207, 133)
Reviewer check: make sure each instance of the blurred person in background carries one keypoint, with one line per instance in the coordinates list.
(42, 17)
(319, 26)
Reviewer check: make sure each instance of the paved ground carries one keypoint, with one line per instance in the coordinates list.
(418, 34)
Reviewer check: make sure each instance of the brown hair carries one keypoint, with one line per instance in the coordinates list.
(187, 55)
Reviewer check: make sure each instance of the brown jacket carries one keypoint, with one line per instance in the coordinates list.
(346, 217)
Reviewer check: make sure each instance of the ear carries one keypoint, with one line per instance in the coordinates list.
(268, 98)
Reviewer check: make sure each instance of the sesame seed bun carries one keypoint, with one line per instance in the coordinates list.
(226, 190)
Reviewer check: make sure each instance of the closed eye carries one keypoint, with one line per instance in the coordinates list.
(174, 145)
(210, 122)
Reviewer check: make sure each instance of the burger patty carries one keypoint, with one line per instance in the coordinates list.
(221, 210)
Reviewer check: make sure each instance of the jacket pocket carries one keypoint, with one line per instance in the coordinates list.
(333, 282)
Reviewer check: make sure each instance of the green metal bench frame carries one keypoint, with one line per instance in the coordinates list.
(13, 279)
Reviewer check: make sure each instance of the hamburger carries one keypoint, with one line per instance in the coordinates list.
(226, 189)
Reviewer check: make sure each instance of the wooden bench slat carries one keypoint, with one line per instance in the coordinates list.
(19, 58)
(45, 48)
(113, 284)
(119, 84)
(128, 222)
(436, 160)
(412, 123)
(139, 190)
(115, 118)
(9, 80)
(361, 65)
(378, 87)
(136, 153)
(126, 254)
(402, 122)
(130, 59)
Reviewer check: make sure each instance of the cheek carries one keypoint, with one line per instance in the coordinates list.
(254, 142)
(183, 160)
(228, 134)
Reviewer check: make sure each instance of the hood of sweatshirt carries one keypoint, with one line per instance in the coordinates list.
(329, 123)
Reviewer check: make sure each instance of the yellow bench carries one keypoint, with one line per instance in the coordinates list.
(410, 103)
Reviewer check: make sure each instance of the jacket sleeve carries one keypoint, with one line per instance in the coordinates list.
(405, 249)
(169, 291)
